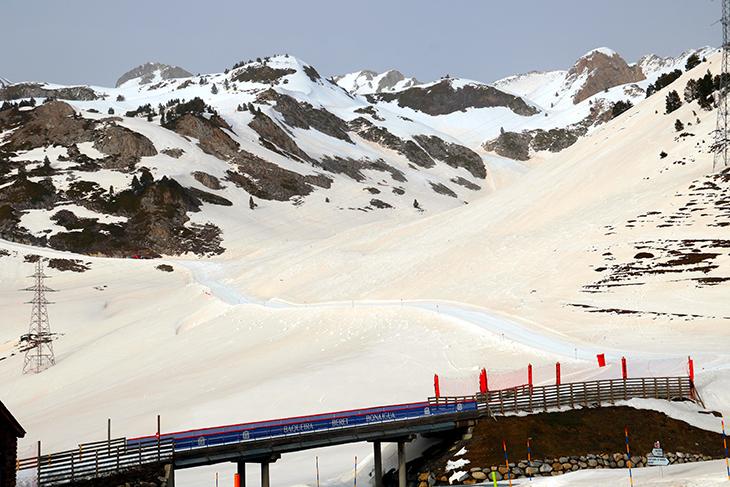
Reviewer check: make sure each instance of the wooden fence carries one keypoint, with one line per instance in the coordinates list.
(93, 460)
(600, 392)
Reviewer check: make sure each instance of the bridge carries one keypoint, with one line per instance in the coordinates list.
(264, 442)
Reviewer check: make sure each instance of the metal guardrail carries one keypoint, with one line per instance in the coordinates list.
(93, 460)
(532, 399)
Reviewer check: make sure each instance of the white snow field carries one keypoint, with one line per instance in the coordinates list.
(298, 323)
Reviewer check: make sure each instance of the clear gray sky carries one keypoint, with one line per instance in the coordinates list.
(96, 41)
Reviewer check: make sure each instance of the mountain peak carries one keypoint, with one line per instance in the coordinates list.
(602, 69)
(149, 72)
(367, 82)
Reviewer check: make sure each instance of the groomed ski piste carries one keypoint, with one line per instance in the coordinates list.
(367, 316)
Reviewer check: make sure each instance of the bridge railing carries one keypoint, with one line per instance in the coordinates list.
(600, 392)
(93, 460)
(304, 425)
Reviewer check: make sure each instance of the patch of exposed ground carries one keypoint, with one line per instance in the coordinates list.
(573, 433)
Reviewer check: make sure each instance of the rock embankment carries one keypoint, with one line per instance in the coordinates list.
(549, 467)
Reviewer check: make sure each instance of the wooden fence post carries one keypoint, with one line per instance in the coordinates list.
(585, 393)
(97, 463)
(557, 394)
(501, 402)
(572, 405)
(612, 401)
(656, 389)
(643, 387)
(544, 398)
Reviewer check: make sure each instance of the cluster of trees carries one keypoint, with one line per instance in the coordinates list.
(702, 90)
(663, 81)
(672, 101)
(7, 105)
(196, 106)
(139, 185)
(145, 109)
(243, 107)
(620, 107)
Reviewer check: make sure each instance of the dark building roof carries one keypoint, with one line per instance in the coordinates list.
(4, 413)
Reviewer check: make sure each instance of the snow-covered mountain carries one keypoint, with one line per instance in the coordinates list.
(617, 244)
(652, 64)
(367, 82)
(149, 73)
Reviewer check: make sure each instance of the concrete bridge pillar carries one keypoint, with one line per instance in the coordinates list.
(401, 464)
(265, 481)
(241, 471)
(378, 459)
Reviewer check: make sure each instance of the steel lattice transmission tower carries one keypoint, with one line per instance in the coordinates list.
(721, 132)
(38, 343)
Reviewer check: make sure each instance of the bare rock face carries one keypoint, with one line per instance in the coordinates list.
(120, 141)
(53, 123)
(442, 98)
(147, 73)
(213, 140)
(605, 69)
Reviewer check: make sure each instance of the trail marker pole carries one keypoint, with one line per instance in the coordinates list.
(724, 442)
(631, 478)
(506, 462)
(355, 482)
(529, 463)
(494, 477)
(316, 459)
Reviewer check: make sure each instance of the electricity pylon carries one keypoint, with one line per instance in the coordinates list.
(721, 130)
(38, 343)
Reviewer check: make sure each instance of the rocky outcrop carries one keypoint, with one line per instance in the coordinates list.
(268, 181)
(454, 155)
(53, 123)
(148, 72)
(380, 135)
(367, 82)
(208, 131)
(120, 141)
(261, 73)
(603, 69)
(303, 115)
(276, 139)
(442, 98)
(56, 123)
(37, 90)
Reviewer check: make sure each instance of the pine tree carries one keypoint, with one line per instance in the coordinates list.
(692, 61)
(214, 89)
(136, 186)
(673, 101)
(678, 125)
(146, 178)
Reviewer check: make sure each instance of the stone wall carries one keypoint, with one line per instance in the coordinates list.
(149, 476)
(552, 466)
